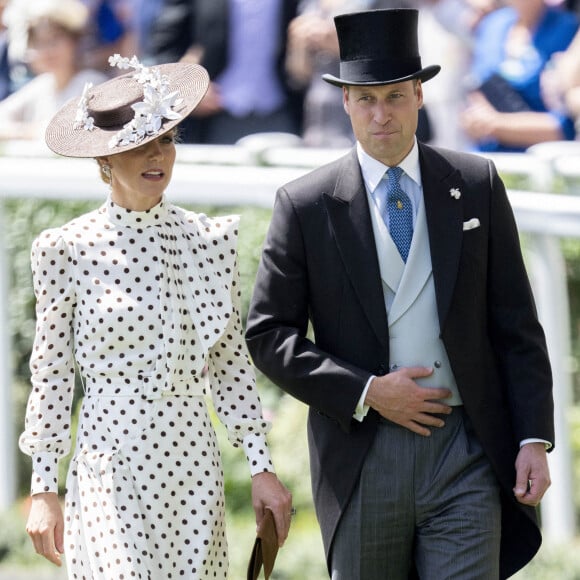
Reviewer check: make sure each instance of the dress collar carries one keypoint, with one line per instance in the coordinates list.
(135, 219)
(373, 170)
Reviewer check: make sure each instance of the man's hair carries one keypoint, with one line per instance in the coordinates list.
(415, 83)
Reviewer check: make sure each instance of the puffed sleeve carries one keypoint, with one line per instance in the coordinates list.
(234, 393)
(46, 437)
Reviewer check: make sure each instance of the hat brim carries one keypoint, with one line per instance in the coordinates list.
(423, 75)
(189, 80)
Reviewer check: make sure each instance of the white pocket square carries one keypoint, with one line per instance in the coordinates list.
(471, 224)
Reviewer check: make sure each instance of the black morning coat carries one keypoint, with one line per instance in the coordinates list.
(319, 265)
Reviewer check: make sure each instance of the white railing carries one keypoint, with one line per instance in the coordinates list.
(234, 180)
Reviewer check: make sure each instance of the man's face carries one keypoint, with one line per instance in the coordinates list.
(384, 118)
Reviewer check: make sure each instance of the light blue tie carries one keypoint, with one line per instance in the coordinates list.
(400, 212)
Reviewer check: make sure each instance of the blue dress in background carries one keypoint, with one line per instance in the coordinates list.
(553, 34)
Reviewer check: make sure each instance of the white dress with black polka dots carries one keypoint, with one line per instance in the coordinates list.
(141, 302)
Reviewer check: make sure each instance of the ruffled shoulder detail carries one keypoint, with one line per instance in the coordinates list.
(65, 235)
(49, 239)
(209, 263)
(50, 255)
(218, 237)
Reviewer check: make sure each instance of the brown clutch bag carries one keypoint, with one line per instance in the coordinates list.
(265, 548)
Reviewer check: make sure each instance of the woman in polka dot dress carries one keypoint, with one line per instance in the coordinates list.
(141, 296)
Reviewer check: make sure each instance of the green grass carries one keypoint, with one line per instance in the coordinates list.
(302, 558)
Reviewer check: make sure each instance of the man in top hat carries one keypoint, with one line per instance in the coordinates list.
(427, 376)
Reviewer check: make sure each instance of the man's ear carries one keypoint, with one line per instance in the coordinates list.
(345, 101)
(419, 93)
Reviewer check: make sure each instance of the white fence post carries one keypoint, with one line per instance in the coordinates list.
(7, 446)
(545, 217)
(548, 277)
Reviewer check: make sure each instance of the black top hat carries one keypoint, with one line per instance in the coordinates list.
(379, 47)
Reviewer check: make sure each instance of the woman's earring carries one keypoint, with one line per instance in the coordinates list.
(106, 169)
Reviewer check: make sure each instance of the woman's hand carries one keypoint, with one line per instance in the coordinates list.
(269, 492)
(46, 526)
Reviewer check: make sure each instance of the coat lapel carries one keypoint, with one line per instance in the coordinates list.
(350, 220)
(444, 214)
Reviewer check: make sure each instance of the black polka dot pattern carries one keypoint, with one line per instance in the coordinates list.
(141, 303)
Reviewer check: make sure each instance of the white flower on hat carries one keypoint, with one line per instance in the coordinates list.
(82, 118)
(157, 103)
(454, 192)
(133, 108)
(124, 63)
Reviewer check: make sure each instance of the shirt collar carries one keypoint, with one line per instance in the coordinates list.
(135, 219)
(373, 170)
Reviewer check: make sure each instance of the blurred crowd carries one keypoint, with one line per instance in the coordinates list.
(510, 76)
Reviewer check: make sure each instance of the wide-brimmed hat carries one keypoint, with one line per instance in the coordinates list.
(379, 47)
(72, 15)
(127, 111)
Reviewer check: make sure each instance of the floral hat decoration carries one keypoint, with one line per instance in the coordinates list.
(127, 111)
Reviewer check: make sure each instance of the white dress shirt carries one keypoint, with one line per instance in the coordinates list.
(372, 172)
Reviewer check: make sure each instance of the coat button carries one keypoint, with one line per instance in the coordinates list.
(437, 364)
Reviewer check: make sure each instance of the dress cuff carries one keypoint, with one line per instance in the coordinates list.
(361, 409)
(257, 453)
(547, 444)
(44, 473)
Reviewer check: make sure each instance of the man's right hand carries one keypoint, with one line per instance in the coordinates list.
(46, 526)
(398, 398)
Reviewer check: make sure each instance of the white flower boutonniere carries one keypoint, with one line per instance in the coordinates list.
(454, 192)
